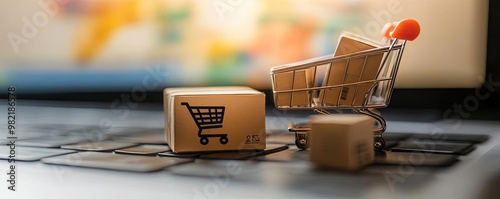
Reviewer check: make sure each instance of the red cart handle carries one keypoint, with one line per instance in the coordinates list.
(406, 29)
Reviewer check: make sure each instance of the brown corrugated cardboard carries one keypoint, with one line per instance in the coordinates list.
(214, 119)
(342, 141)
(353, 95)
(287, 81)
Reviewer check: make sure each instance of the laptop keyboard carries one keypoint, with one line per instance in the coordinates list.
(144, 150)
(115, 161)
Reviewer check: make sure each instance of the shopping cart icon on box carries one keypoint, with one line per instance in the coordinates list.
(208, 117)
(301, 85)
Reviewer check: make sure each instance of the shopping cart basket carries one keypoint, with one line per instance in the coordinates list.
(307, 88)
(208, 117)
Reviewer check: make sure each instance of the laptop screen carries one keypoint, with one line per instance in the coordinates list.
(111, 45)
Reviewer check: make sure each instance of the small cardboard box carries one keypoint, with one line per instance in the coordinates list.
(353, 95)
(289, 81)
(342, 141)
(214, 119)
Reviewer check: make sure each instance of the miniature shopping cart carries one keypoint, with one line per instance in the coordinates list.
(208, 117)
(304, 86)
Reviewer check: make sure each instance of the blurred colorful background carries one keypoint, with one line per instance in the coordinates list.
(92, 45)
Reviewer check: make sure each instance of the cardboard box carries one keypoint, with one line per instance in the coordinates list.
(353, 95)
(287, 81)
(342, 141)
(214, 119)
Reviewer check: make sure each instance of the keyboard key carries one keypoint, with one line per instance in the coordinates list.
(115, 161)
(468, 138)
(31, 153)
(51, 142)
(414, 159)
(89, 134)
(144, 149)
(149, 137)
(286, 156)
(434, 147)
(390, 136)
(98, 146)
(126, 131)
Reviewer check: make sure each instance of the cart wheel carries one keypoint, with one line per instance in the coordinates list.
(379, 144)
(224, 140)
(302, 141)
(204, 140)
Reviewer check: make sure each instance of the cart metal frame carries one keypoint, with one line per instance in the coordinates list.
(378, 96)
